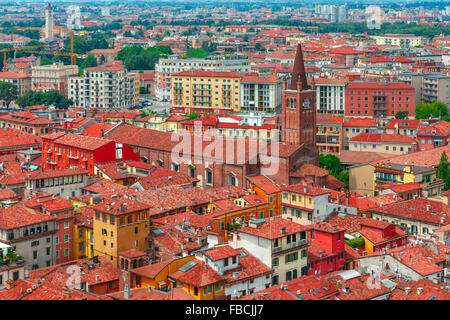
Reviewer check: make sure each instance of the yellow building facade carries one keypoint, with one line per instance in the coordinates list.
(206, 92)
(119, 228)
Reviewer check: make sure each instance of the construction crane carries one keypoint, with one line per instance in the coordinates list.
(6, 50)
(73, 56)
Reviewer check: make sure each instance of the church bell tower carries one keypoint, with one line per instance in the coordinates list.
(298, 107)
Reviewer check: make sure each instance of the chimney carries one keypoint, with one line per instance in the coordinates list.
(419, 291)
(407, 290)
(305, 189)
(97, 278)
(428, 207)
(102, 132)
(9, 284)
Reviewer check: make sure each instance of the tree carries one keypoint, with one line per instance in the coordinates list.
(138, 58)
(192, 115)
(435, 109)
(443, 170)
(51, 97)
(90, 61)
(196, 53)
(8, 92)
(102, 59)
(334, 166)
(331, 163)
(401, 114)
(46, 61)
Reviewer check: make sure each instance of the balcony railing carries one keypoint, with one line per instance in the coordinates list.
(289, 246)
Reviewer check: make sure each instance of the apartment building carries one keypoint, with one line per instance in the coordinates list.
(62, 151)
(62, 183)
(304, 204)
(206, 92)
(329, 133)
(27, 122)
(429, 87)
(120, 224)
(31, 235)
(62, 211)
(436, 87)
(20, 79)
(354, 126)
(394, 144)
(330, 96)
(433, 135)
(11, 269)
(403, 40)
(106, 86)
(416, 216)
(400, 173)
(260, 93)
(279, 243)
(52, 77)
(369, 99)
(165, 68)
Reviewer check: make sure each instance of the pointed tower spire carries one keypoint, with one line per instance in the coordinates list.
(299, 74)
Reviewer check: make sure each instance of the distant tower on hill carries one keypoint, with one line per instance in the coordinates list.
(49, 23)
(298, 108)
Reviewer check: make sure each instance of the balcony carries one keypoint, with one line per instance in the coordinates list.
(433, 184)
(290, 246)
(72, 157)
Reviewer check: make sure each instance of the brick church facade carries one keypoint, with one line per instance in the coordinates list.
(297, 146)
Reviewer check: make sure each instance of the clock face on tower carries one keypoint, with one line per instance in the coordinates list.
(306, 103)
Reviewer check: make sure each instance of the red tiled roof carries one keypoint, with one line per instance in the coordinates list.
(427, 291)
(359, 122)
(95, 130)
(152, 294)
(13, 74)
(376, 238)
(120, 205)
(267, 185)
(378, 85)
(416, 209)
(426, 158)
(103, 271)
(437, 129)
(221, 252)
(152, 270)
(199, 276)
(403, 123)
(82, 142)
(304, 285)
(303, 188)
(249, 267)
(19, 216)
(272, 229)
(45, 291)
(400, 188)
(358, 290)
(310, 170)
(382, 137)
